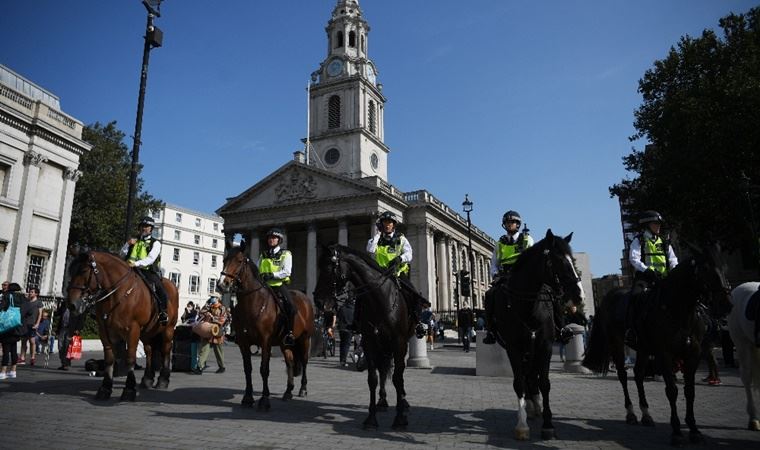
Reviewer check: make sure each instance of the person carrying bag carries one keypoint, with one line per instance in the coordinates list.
(11, 329)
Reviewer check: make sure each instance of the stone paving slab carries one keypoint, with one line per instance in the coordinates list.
(451, 409)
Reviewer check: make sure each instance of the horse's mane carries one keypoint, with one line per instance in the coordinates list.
(366, 257)
(529, 253)
(254, 268)
(84, 258)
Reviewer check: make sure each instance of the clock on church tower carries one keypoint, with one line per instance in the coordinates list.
(346, 104)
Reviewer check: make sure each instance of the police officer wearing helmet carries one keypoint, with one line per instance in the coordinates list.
(275, 267)
(504, 257)
(652, 257)
(392, 250)
(143, 253)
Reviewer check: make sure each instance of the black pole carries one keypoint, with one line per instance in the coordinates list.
(138, 127)
(469, 250)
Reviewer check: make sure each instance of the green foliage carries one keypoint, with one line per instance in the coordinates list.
(100, 198)
(701, 114)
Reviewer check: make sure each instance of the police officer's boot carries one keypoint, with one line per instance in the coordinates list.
(163, 318)
(490, 339)
(289, 340)
(630, 339)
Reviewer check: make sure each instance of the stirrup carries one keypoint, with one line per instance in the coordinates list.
(289, 340)
(489, 339)
(163, 318)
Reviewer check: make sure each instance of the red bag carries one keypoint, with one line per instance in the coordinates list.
(75, 348)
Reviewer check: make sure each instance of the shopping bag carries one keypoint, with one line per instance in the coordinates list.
(75, 348)
(10, 318)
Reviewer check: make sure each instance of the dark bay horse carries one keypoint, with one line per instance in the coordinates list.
(126, 313)
(383, 321)
(671, 332)
(524, 323)
(256, 321)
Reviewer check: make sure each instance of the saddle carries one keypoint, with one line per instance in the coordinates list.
(152, 288)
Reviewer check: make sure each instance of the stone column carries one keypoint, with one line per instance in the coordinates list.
(32, 161)
(423, 258)
(254, 244)
(418, 357)
(70, 176)
(311, 258)
(343, 232)
(443, 276)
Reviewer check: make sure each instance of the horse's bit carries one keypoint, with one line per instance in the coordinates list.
(91, 298)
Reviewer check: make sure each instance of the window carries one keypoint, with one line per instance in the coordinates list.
(372, 117)
(364, 47)
(332, 156)
(333, 112)
(195, 282)
(35, 270)
(213, 260)
(216, 226)
(214, 243)
(211, 285)
(156, 214)
(197, 221)
(174, 277)
(177, 235)
(5, 171)
(339, 40)
(197, 239)
(196, 258)
(175, 256)
(178, 218)
(352, 39)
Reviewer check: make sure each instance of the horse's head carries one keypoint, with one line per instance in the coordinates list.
(708, 271)
(234, 267)
(332, 279)
(559, 269)
(84, 284)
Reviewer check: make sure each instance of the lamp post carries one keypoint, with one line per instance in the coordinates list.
(153, 38)
(467, 207)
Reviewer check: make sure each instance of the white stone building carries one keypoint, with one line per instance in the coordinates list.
(192, 248)
(40, 147)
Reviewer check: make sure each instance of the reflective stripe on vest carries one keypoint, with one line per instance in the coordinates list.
(140, 251)
(388, 251)
(508, 253)
(272, 265)
(653, 255)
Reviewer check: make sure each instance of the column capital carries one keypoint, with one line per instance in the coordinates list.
(32, 158)
(72, 174)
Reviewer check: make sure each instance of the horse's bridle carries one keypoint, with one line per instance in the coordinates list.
(91, 298)
(549, 278)
(237, 282)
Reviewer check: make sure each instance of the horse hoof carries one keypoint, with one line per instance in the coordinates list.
(382, 405)
(162, 384)
(547, 433)
(288, 395)
(129, 395)
(264, 404)
(522, 434)
(754, 425)
(400, 422)
(695, 437)
(647, 421)
(677, 440)
(146, 383)
(247, 402)
(302, 392)
(103, 394)
(404, 405)
(631, 419)
(370, 423)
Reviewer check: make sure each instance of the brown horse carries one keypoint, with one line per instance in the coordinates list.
(256, 321)
(126, 313)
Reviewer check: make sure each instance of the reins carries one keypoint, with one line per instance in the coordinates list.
(89, 302)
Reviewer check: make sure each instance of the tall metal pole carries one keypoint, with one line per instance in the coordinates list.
(472, 265)
(149, 43)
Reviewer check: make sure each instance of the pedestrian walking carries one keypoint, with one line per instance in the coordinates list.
(465, 319)
(213, 312)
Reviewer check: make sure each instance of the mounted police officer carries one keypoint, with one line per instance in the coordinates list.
(504, 257)
(392, 251)
(275, 267)
(652, 257)
(144, 254)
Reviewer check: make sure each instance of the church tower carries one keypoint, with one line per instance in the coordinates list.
(346, 101)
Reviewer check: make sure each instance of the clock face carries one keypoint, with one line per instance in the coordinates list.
(370, 73)
(332, 156)
(373, 161)
(335, 67)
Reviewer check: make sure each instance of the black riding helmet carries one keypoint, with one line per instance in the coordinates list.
(278, 233)
(147, 221)
(388, 215)
(510, 215)
(650, 216)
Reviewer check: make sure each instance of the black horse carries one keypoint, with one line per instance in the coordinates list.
(525, 322)
(383, 320)
(672, 332)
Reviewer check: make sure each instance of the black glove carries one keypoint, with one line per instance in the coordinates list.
(395, 262)
(267, 277)
(650, 276)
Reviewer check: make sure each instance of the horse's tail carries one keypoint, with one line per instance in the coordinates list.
(597, 358)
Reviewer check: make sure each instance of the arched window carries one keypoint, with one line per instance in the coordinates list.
(333, 112)
(464, 260)
(372, 117)
(364, 45)
(352, 39)
(339, 40)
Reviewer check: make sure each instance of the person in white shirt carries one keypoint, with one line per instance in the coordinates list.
(144, 254)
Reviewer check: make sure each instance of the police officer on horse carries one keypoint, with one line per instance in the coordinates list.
(144, 254)
(652, 257)
(393, 252)
(275, 267)
(504, 257)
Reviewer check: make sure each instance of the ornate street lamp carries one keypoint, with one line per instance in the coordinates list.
(467, 208)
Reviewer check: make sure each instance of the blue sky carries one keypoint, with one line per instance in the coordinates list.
(523, 105)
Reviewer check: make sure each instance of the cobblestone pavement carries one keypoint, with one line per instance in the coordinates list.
(450, 408)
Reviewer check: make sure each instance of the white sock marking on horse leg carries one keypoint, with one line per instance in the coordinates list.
(522, 415)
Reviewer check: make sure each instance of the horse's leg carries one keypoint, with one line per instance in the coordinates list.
(746, 353)
(304, 359)
(532, 406)
(266, 354)
(618, 357)
(522, 430)
(382, 400)
(287, 353)
(639, 372)
(543, 360)
(130, 389)
(150, 370)
(402, 406)
(245, 352)
(690, 369)
(106, 387)
(671, 391)
(167, 339)
(371, 420)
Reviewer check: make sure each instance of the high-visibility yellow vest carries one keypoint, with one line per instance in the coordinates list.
(274, 264)
(653, 254)
(388, 250)
(140, 251)
(508, 253)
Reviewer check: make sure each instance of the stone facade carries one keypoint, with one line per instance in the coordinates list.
(40, 147)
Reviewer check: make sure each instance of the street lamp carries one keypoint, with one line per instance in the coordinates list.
(153, 38)
(467, 207)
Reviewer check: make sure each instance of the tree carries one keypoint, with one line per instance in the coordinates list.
(700, 114)
(100, 198)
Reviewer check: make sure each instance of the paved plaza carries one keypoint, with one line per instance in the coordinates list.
(450, 408)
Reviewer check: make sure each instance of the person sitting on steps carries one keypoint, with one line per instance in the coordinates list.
(144, 254)
(275, 267)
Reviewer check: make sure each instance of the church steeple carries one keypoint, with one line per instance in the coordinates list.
(346, 102)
